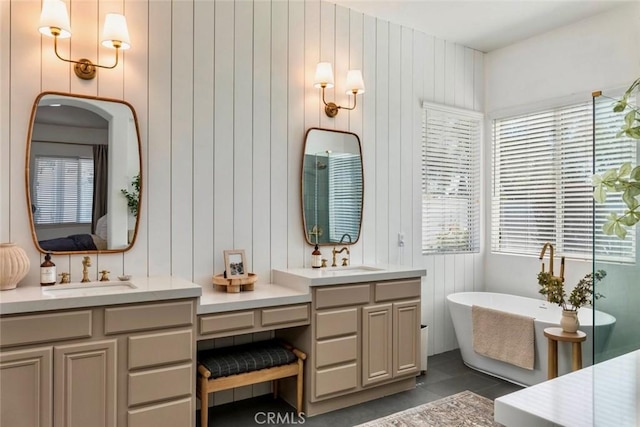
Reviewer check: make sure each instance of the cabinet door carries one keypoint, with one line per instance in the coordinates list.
(25, 388)
(406, 337)
(376, 344)
(85, 384)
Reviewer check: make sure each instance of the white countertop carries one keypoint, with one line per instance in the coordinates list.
(291, 287)
(309, 277)
(604, 394)
(25, 299)
(263, 295)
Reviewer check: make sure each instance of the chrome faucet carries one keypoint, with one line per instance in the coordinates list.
(86, 262)
(335, 252)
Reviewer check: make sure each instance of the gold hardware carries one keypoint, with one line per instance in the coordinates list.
(54, 22)
(315, 231)
(86, 262)
(551, 255)
(324, 262)
(104, 276)
(345, 262)
(324, 80)
(65, 277)
(335, 252)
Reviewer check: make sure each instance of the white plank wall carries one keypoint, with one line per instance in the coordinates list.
(223, 93)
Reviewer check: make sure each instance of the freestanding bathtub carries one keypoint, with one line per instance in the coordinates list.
(545, 315)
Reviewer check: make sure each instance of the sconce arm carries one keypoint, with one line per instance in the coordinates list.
(331, 109)
(84, 68)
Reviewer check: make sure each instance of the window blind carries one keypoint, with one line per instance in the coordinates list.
(63, 190)
(451, 141)
(541, 182)
(345, 196)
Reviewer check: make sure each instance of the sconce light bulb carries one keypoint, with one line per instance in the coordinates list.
(115, 33)
(355, 83)
(324, 76)
(54, 19)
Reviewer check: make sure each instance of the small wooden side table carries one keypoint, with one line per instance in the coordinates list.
(557, 334)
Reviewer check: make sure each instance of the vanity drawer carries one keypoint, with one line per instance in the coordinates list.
(174, 347)
(150, 316)
(337, 296)
(337, 350)
(336, 379)
(336, 322)
(40, 328)
(169, 414)
(397, 290)
(160, 384)
(294, 313)
(226, 322)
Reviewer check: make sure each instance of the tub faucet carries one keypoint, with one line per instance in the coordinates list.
(544, 250)
(335, 252)
(86, 262)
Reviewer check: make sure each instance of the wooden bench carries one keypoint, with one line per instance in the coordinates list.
(229, 367)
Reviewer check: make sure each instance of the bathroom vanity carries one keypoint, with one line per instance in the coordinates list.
(70, 352)
(364, 338)
(73, 356)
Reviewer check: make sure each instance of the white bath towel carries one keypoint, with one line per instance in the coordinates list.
(503, 336)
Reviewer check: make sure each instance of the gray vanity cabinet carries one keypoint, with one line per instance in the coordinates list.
(363, 343)
(126, 365)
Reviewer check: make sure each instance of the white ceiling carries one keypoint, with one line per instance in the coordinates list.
(484, 25)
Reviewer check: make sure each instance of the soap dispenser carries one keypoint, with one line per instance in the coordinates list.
(316, 257)
(47, 271)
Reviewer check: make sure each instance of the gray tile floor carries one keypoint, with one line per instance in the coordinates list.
(446, 375)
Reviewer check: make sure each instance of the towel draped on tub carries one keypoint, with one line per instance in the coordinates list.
(503, 336)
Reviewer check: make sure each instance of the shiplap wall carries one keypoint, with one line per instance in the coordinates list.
(223, 93)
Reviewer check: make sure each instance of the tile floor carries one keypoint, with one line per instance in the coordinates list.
(446, 375)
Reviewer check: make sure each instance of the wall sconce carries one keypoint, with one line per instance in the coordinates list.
(324, 80)
(54, 22)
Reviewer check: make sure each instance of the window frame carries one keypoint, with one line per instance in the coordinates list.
(474, 205)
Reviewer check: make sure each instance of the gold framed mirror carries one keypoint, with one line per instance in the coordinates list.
(83, 174)
(332, 187)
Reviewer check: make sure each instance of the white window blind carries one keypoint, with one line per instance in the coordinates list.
(345, 196)
(541, 187)
(63, 190)
(451, 141)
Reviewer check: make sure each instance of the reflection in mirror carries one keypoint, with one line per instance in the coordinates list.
(332, 187)
(83, 174)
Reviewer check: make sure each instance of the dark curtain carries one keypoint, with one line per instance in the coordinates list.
(100, 178)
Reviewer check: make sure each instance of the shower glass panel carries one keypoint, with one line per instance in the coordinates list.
(619, 258)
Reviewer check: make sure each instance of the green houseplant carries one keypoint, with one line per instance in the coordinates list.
(133, 197)
(582, 294)
(626, 178)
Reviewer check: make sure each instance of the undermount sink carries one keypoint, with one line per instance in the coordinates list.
(350, 269)
(88, 289)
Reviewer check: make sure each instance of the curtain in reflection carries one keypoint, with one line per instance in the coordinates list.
(100, 178)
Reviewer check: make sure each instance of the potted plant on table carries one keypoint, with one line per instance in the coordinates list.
(582, 294)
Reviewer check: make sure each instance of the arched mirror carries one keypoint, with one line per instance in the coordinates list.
(332, 187)
(83, 174)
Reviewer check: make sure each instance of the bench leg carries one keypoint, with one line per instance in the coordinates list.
(275, 388)
(204, 401)
(300, 383)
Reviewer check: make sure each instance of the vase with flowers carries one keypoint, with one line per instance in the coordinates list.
(582, 294)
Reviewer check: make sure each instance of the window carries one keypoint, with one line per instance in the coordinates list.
(345, 196)
(63, 190)
(451, 141)
(541, 186)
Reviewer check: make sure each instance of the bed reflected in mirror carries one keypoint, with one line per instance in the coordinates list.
(83, 174)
